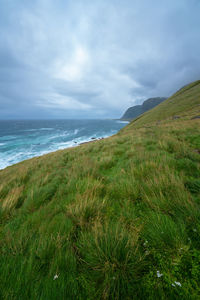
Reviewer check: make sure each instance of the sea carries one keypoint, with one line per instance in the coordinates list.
(24, 139)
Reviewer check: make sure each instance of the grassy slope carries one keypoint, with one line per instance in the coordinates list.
(184, 104)
(106, 216)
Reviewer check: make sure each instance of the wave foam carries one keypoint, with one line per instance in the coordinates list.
(46, 128)
(122, 122)
(22, 147)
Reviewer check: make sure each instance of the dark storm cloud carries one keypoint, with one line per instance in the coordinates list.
(94, 58)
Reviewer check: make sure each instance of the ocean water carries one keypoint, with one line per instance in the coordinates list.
(20, 140)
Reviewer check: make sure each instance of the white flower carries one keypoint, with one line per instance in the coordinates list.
(176, 283)
(159, 274)
(55, 277)
(145, 243)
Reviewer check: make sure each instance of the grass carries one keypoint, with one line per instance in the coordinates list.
(113, 219)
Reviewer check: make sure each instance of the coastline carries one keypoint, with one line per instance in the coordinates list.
(54, 151)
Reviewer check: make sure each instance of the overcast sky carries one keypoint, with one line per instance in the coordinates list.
(94, 58)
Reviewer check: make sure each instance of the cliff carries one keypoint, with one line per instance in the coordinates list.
(137, 110)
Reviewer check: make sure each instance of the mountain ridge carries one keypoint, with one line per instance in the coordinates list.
(137, 110)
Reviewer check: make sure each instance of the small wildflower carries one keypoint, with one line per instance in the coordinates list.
(55, 277)
(147, 252)
(176, 283)
(159, 274)
(114, 278)
(145, 243)
(194, 230)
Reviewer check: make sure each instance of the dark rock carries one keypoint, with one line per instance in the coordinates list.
(175, 117)
(197, 151)
(196, 117)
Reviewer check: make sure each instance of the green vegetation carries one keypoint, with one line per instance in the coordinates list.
(113, 219)
(184, 104)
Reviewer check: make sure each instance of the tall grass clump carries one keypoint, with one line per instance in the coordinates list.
(110, 261)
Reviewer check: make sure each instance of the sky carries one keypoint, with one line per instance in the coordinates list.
(94, 58)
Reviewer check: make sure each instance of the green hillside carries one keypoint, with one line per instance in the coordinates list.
(117, 218)
(184, 104)
(137, 110)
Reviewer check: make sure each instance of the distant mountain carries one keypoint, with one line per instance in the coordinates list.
(135, 111)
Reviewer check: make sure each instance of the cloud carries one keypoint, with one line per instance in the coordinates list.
(94, 59)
